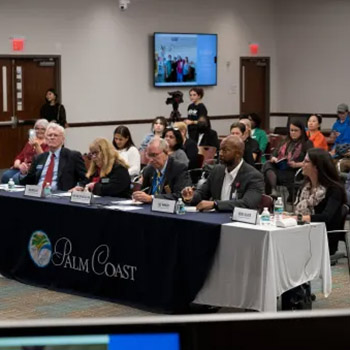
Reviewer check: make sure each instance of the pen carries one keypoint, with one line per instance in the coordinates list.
(145, 189)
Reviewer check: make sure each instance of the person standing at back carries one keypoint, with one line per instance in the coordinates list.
(53, 110)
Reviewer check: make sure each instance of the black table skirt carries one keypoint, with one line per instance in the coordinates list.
(141, 257)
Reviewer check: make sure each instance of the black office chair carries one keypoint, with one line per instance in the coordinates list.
(343, 237)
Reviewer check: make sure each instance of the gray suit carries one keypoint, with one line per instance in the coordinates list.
(249, 184)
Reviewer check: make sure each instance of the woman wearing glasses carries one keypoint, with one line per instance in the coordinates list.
(287, 159)
(175, 141)
(35, 145)
(108, 173)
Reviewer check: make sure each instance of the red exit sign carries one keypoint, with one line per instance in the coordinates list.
(17, 44)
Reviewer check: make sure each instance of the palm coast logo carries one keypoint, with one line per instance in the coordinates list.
(40, 248)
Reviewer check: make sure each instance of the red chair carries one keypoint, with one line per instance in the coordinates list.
(266, 202)
(208, 153)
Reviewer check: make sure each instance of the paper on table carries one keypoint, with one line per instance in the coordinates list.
(127, 202)
(68, 194)
(122, 207)
(191, 210)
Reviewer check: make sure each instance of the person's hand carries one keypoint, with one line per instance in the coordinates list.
(273, 160)
(23, 168)
(292, 164)
(189, 122)
(205, 205)
(76, 188)
(90, 187)
(34, 142)
(187, 194)
(140, 196)
(332, 152)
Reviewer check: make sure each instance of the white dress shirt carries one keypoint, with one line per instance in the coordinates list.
(228, 181)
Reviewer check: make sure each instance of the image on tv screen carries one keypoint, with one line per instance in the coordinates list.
(185, 59)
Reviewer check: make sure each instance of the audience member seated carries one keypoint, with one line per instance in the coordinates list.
(287, 159)
(164, 177)
(239, 129)
(60, 166)
(158, 126)
(174, 139)
(322, 195)
(33, 147)
(108, 173)
(314, 134)
(196, 109)
(340, 130)
(234, 183)
(125, 146)
(203, 134)
(189, 146)
(258, 134)
(251, 143)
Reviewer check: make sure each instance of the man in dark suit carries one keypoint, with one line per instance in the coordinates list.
(234, 183)
(60, 167)
(164, 177)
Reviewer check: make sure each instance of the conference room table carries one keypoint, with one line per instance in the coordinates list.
(155, 260)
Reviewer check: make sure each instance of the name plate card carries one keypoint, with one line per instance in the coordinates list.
(82, 197)
(163, 205)
(33, 191)
(248, 216)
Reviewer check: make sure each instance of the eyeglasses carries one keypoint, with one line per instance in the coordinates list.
(43, 129)
(94, 154)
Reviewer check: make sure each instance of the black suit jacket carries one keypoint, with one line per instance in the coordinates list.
(210, 138)
(115, 184)
(175, 179)
(71, 169)
(249, 184)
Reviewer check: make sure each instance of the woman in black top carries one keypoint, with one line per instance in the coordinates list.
(203, 134)
(287, 159)
(52, 110)
(196, 109)
(322, 196)
(250, 145)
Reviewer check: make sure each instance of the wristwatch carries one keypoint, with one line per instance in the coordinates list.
(216, 207)
(300, 217)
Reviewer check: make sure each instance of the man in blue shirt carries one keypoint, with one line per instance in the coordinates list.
(340, 129)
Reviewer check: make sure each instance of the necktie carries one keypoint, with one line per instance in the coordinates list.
(49, 173)
(158, 182)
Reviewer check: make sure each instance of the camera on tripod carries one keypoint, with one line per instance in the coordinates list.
(175, 99)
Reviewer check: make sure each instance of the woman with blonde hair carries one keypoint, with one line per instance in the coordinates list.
(108, 172)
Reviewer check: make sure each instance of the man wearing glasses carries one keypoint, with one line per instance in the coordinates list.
(164, 177)
(60, 167)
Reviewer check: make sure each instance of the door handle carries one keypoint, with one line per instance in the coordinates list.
(13, 122)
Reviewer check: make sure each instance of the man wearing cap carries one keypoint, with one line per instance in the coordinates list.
(341, 128)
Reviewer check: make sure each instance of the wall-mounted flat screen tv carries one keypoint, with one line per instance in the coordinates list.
(185, 59)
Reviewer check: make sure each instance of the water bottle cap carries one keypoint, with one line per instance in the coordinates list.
(266, 208)
(279, 198)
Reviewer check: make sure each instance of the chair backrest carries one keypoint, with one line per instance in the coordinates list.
(200, 160)
(87, 161)
(266, 202)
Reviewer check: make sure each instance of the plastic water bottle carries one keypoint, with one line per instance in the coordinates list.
(47, 190)
(265, 217)
(180, 207)
(11, 184)
(278, 209)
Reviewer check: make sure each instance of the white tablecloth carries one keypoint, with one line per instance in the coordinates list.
(256, 264)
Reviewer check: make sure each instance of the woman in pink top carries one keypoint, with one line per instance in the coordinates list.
(34, 146)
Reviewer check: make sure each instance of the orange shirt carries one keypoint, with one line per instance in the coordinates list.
(318, 140)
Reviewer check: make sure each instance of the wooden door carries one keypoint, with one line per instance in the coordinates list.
(255, 88)
(23, 83)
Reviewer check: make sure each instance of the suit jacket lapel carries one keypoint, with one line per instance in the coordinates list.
(219, 182)
(61, 164)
